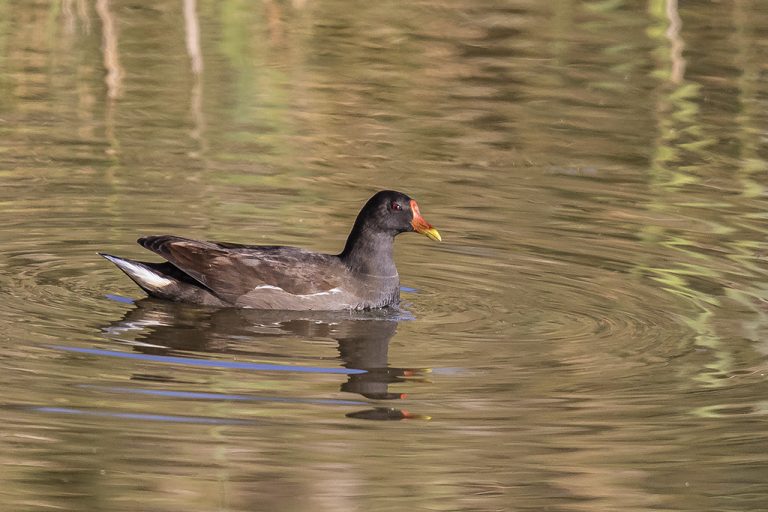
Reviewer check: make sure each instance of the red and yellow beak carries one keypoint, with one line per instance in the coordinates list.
(422, 226)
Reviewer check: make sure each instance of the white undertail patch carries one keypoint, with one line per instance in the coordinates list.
(142, 274)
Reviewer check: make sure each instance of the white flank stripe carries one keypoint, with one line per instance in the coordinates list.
(329, 292)
(307, 296)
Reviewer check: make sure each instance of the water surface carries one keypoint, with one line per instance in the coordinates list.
(591, 334)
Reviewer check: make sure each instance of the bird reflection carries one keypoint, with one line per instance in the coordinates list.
(363, 341)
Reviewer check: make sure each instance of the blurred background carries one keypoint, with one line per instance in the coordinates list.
(590, 335)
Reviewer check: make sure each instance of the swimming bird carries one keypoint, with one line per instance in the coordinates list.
(362, 276)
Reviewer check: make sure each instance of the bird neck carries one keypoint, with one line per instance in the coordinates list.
(370, 252)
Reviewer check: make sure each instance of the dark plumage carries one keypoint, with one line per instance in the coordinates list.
(362, 276)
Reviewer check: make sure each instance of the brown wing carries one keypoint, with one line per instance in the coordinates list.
(231, 270)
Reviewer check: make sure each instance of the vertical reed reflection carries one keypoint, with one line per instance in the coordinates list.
(682, 154)
(195, 53)
(69, 16)
(677, 72)
(82, 14)
(676, 115)
(74, 12)
(749, 252)
(114, 78)
(274, 22)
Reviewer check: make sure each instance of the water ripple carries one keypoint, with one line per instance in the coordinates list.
(198, 395)
(557, 298)
(236, 365)
(199, 420)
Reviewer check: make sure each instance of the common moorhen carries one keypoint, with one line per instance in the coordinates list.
(362, 276)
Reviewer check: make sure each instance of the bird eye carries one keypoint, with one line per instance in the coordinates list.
(395, 206)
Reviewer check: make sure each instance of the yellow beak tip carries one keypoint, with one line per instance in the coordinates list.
(433, 234)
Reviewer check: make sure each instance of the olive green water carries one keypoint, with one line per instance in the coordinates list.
(591, 335)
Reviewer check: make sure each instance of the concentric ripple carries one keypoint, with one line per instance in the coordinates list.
(49, 286)
(573, 309)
